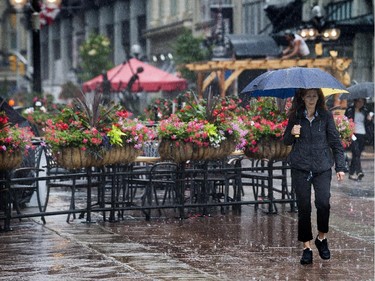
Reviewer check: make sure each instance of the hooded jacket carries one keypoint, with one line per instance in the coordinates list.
(319, 146)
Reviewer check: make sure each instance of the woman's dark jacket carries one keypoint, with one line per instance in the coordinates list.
(350, 112)
(319, 146)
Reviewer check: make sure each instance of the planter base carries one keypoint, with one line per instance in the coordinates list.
(269, 149)
(181, 152)
(10, 161)
(75, 158)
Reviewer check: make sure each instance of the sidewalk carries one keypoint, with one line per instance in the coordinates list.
(249, 246)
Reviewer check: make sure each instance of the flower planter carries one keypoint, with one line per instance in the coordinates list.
(268, 149)
(179, 151)
(74, 157)
(10, 161)
(120, 154)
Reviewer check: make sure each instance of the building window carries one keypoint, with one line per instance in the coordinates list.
(125, 35)
(141, 25)
(69, 45)
(220, 3)
(173, 10)
(255, 19)
(161, 10)
(339, 11)
(110, 34)
(56, 49)
(44, 61)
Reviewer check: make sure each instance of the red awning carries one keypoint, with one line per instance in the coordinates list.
(151, 79)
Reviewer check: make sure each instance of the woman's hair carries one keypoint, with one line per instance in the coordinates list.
(298, 103)
(363, 99)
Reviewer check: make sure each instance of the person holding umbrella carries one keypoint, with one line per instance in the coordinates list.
(316, 148)
(362, 119)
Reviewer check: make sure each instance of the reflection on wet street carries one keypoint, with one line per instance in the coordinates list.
(252, 245)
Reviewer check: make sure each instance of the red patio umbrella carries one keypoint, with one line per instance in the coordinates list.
(151, 79)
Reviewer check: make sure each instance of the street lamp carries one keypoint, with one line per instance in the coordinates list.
(18, 4)
(319, 29)
(35, 22)
(327, 34)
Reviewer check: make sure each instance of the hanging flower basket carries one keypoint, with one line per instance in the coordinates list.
(75, 158)
(268, 149)
(179, 151)
(120, 155)
(10, 161)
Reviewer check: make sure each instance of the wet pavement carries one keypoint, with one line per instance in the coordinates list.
(252, 245)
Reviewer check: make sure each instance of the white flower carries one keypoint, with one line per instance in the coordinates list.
(92, 52)
(105, 43)
(29, 110)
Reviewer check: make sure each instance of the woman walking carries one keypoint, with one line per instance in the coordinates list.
(362, 119)
(316, 148)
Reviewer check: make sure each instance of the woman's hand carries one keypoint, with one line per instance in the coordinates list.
(296, 130)
(340, 176)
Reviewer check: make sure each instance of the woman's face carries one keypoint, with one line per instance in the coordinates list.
(359, 103)
(310, 98)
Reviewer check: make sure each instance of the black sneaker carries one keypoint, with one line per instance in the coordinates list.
(360, 176)
(322, 246)
(307, 256)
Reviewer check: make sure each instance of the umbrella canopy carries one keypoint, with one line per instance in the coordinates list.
(150, 79)
(283, 83)
(364, 90)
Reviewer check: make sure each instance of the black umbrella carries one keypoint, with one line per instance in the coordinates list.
(364, 90)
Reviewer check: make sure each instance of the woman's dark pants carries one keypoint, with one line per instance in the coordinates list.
(357, 147)
(302, 185)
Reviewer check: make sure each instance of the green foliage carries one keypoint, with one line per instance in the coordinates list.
(94, 54)
(159, 108)
(203, 122)
(189, 49)
(115, 136)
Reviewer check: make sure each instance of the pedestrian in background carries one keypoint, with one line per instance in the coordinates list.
(297, 47)
(316, 148)
(362, 119)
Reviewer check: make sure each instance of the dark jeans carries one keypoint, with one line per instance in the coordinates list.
(357, 147)
(322, 186)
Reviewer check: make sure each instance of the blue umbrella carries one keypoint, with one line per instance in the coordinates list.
(283, 83)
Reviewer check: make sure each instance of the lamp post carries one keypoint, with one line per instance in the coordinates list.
(35, 23)
(318, 29)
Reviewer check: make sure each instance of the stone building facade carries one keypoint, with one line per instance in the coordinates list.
(148, 29)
